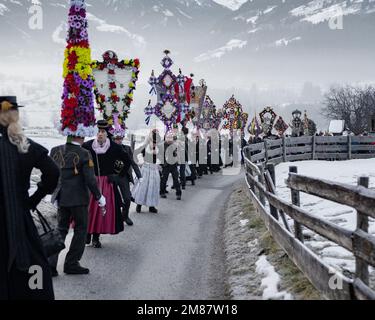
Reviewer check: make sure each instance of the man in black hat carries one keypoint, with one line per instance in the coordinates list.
(20, 245)
(72, 195)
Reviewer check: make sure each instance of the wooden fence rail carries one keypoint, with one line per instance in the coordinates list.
(312, 148)
(362, 244)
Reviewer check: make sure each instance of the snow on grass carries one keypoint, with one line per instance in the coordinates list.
(346, 172)
(244, 222)
(270, 282)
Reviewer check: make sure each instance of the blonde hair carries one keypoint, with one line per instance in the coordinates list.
(10, 119)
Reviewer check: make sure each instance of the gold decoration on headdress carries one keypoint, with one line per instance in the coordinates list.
(6, 106)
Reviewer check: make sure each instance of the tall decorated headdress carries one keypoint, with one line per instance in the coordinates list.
(254, 127)
(210, 116)
(267, 119)
(115, 81)
(173, 95)
(198, 96)
(77, 112)
(234, 116)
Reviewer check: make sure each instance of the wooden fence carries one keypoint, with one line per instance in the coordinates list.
(312, 148)
(260, 178)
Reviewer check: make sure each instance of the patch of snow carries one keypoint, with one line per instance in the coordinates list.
(105, 27)
(244, 222)
(271, 280)
(231, 4)
(316, 11)
(3, 9)
(346, 172)
(285, 42)
(218, 53)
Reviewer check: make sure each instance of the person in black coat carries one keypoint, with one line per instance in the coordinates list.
(72, 196)
(124, 178)
(20, 245)
(170, 166)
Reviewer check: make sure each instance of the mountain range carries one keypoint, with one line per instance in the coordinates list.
(228, 42)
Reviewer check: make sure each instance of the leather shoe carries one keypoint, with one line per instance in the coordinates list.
(153, 210)
(76, 270)
(163, 196)
(139, 208)
(129, 222)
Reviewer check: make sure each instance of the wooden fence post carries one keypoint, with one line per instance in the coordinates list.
(271, 170)
(313, 146)
(349, 147)
(266, 150)
(262, 182)
(296, 200)
(361, 267)
(284, 149)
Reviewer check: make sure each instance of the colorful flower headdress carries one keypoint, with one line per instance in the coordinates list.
(234, 117)
(198, 96)
(115, 82)
(210, 116)
(77, 112)
(173, 95)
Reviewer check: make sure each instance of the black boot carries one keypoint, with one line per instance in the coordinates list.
(139, 208)
(96, 242)
(76, 270)
(88, 239)
(125, 217)
(153, 210)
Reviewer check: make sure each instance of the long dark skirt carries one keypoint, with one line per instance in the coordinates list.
(14, 285)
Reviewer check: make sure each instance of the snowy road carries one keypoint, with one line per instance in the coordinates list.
(176, 254)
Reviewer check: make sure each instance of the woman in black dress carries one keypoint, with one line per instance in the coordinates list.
(20, 245)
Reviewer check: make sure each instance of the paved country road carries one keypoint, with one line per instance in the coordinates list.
(176, 254)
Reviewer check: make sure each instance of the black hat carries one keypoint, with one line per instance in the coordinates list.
(8, 103)
(103, 124)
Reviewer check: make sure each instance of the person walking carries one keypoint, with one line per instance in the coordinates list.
(124, 178)
(105, 154)
(20, 244)
(146, 192)
(72, 196)
(170, 166)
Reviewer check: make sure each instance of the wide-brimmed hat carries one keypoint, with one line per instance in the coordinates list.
(8, 103)
(103, 124)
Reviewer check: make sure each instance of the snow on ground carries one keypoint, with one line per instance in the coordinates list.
(341, 171)
(270, 282)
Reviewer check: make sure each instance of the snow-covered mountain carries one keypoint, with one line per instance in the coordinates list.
(225, 41)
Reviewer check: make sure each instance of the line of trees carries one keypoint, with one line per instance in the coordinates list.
(355, 105)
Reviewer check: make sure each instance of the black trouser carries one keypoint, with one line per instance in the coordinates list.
(80, 217)
(194, 173)
(167, 170)
(183, 174)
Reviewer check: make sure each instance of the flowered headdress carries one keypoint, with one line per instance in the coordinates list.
(173, 95)
(78, 113)
(234, 117)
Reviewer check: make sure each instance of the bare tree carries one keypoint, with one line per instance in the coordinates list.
(355, 105)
